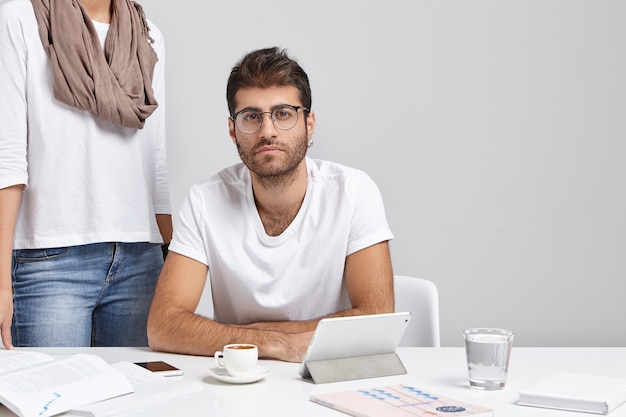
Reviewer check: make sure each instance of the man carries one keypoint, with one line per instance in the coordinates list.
(286, 240)
(84, 200)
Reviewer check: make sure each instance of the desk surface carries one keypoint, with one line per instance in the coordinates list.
(438, 370)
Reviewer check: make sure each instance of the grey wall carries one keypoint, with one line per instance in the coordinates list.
(496, 131)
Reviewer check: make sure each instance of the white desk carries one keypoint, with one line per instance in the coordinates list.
(439, 370)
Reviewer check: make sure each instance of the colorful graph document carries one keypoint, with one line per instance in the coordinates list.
(397, 401)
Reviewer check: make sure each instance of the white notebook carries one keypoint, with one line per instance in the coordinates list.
(576, 392)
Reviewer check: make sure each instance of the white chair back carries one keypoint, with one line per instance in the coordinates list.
(421, 298)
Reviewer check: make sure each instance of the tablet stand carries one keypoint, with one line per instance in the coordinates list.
(356, 367)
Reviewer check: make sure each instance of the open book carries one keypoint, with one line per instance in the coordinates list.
(35, 384)
(89, 387)
(397, 401)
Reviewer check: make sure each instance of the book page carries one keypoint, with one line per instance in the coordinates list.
(150, 390)
(59, 385)
(10, 360)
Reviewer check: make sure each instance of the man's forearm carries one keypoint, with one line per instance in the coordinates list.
(188, 333)
(300, 326)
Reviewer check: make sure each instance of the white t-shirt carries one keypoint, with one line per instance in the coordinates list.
(87, 180)
(297, 275)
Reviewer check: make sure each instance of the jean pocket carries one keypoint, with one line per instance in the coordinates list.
(35, 255)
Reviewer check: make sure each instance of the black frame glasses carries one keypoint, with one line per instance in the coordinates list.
(250, 121)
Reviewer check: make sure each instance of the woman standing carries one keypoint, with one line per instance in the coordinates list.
(84, 199)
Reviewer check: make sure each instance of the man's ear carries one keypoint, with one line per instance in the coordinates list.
(310, 125)
(231, 130)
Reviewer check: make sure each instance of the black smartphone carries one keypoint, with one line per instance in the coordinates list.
(161, 368)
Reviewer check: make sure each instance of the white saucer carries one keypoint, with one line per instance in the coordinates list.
(221, 374)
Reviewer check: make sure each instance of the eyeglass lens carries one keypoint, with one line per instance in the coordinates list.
(283, 117)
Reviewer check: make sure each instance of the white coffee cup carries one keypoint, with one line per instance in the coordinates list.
(239, 359)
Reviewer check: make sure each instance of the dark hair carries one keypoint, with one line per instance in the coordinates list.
(265, 68)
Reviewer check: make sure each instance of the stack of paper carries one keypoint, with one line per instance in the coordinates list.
(150, 390)
(576, 392)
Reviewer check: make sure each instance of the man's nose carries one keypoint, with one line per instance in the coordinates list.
(267, 126)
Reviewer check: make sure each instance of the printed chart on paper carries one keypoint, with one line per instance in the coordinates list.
(398, 401)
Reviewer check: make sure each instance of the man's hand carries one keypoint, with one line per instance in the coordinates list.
(299, 347)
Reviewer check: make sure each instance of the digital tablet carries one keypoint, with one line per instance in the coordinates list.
(345, 337)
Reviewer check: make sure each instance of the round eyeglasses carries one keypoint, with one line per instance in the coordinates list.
(284, 117)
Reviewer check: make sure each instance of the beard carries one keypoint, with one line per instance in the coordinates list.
(274, 170)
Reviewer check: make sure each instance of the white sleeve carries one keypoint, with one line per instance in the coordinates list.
(369, 222)
(189, 237)
(13, 106)
(156, 124)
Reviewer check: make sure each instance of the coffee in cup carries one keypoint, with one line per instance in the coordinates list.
(239, 359)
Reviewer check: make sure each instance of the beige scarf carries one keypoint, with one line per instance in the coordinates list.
(117, 84)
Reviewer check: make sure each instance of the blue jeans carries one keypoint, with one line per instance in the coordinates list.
(90, 295)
